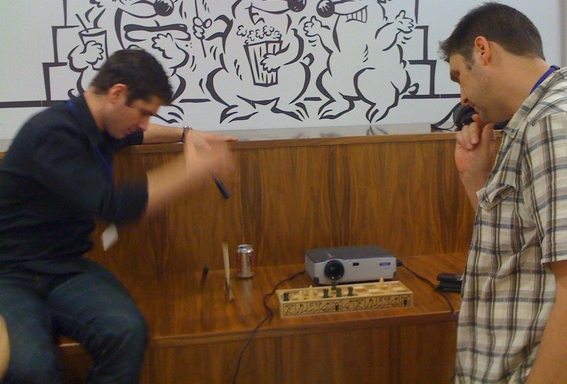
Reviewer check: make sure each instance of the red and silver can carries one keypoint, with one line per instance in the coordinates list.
(245, 261)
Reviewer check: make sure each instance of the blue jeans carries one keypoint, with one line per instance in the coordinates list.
(91, 306)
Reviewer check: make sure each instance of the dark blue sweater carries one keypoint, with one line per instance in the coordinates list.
(55, 179)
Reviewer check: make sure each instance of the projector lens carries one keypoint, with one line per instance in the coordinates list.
(334, 270)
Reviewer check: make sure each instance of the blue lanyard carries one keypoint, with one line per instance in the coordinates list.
(107, 167)
(551, 69)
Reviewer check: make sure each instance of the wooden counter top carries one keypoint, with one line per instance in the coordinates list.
(282, 138)
(177, 310)
(199, 337)
(248, 141)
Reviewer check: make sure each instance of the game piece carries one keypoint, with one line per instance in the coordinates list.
(229, 292)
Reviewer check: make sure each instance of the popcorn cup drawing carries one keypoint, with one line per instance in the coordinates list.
(255, 53)
(98, 35)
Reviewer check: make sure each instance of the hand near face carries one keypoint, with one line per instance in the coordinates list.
(475, 152)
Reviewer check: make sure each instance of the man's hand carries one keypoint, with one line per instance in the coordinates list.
(204, 140)
(157, 134)
(475, 152)
(204, 155)
(208, 153)
(549, 366)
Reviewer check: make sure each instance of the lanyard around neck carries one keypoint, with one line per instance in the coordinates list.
(107, 166)
(551, 69)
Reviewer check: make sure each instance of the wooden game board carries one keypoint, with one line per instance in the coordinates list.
(343, 298)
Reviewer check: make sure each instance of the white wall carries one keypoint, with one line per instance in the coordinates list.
(45, 58)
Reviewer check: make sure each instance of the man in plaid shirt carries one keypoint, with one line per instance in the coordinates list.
(513, 320)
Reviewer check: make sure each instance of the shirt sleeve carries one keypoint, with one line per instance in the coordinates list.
(547, 157)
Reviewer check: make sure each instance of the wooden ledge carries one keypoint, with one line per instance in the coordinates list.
(202, 327)
(178, 313)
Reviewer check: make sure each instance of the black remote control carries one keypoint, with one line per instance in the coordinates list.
(450, 277)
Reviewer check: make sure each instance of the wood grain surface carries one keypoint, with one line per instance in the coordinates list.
(404, 195)
(197, 334)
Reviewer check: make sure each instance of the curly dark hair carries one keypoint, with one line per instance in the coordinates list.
(138, 70)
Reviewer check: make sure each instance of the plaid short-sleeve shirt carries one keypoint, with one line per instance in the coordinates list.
(520, 226)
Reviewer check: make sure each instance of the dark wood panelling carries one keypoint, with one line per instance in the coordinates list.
(403, 195)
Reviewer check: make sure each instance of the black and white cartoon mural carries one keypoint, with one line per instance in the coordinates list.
(240, 64)
(261, 55)
(373, 65)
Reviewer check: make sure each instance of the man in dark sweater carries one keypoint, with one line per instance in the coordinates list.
(55, 181)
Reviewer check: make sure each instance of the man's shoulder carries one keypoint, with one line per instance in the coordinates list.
(556, 91)
(553, 101)
(47, 126)
(56, 116)
(59, 111)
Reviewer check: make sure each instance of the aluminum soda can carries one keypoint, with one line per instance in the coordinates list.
(245, 261)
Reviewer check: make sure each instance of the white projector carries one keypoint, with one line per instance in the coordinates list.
(349, 264)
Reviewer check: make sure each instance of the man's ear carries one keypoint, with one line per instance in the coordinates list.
(117, 92)
(483, 49)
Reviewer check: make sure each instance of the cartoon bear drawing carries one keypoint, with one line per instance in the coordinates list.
(154, 26)
(365, 57)
(260, 59)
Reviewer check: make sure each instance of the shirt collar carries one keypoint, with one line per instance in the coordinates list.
(85, 119)
(542, 86)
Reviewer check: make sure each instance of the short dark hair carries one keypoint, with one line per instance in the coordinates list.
(138, 70)
(499, 23)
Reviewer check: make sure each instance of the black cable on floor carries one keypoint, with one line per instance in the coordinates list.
(269, 317)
